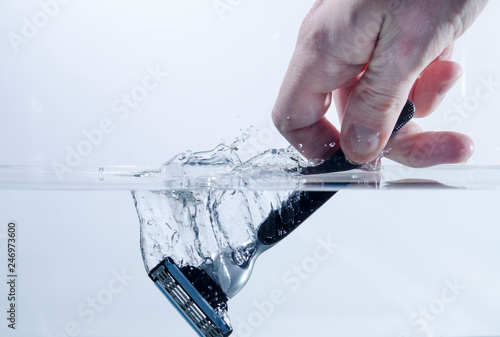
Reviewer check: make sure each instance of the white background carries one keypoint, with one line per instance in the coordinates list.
(396, 249)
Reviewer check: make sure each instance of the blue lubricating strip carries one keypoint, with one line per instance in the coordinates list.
(195, 294)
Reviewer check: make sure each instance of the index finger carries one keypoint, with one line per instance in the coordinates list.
(317, 68)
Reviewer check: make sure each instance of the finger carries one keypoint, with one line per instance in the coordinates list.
(414, 148)
(340, 97)
(432, 85)
(373, 107)
(427, 92)
(304, 99)
(318, 67)
(316, 141)
(375, 102)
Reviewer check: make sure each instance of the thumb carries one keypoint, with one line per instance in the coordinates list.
(407, 43)
(376, 100)
(325, 59)
(372, 110)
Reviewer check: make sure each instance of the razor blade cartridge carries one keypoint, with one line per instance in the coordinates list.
(195, 295)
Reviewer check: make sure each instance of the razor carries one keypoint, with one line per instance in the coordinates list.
(197, 297)
(195, 292)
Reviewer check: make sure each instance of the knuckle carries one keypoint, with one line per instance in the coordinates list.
(316, 35)
(318, 39)
(278, 121)
(378, 103)
(457, 26)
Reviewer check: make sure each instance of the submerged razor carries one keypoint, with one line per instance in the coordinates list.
(195, 291)
(197, 297)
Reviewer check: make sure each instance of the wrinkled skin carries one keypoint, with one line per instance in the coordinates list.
(369, 56)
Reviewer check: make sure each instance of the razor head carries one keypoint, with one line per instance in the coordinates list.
(197, 297)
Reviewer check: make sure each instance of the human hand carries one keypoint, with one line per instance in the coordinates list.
(370, 56)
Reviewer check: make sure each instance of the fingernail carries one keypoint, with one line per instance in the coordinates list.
(363, 140)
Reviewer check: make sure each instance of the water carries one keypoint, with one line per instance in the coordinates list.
(203, 223)
(215, 229)
(199, 221)
(396, 248)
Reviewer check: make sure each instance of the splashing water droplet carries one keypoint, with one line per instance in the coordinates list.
(300, 146)
(332, 144)
(377, 163)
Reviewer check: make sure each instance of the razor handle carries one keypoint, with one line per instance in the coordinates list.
(300, 205)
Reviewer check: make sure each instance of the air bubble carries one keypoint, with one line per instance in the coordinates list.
(175, 239)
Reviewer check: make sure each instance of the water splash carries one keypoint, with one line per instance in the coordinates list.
(215, 229)
(376, 164)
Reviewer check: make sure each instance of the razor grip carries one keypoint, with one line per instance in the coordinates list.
(300, 205)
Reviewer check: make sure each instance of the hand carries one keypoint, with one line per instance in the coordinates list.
(370, 56)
